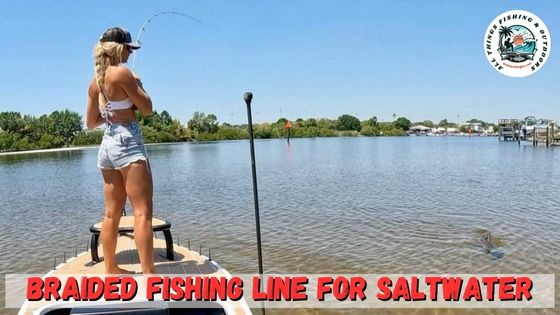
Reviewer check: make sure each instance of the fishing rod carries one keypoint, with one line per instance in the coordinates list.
(248, 97)
(149, 20)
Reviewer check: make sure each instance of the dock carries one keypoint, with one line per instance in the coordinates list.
(509, 129)
(548, 135)
(519, 130)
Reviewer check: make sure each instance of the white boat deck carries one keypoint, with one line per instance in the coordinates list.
(186, 262)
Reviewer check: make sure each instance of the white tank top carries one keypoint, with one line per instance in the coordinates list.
(122, 104)
(107, 110)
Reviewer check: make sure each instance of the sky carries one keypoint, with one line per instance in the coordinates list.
(423, 60)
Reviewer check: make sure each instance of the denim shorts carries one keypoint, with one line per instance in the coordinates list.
(122, 144)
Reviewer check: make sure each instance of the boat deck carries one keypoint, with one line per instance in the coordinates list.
(186, 262)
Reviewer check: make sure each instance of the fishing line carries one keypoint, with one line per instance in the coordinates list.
(149, 20)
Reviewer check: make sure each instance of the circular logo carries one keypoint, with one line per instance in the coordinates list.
(517, 43)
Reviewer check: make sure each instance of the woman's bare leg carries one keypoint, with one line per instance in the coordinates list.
(139, 188)
(115, 198)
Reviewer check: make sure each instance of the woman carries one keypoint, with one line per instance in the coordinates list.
(113, 95)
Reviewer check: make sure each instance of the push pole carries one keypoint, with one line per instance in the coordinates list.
(248, 97)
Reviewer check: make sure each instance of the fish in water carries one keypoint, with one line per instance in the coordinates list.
(488, 243)
(486, 240)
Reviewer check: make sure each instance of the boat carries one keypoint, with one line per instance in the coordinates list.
(170, 259)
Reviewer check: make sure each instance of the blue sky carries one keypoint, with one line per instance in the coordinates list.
(419, 59)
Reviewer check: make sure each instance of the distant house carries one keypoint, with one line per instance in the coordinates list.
(439, 130)
(475, 127)
(419, 129)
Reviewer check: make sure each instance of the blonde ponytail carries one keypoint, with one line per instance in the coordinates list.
(105, 54)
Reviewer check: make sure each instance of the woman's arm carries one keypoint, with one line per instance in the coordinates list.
(93, 116)
(133, 88)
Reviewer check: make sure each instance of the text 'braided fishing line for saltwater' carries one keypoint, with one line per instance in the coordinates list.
(151, 18)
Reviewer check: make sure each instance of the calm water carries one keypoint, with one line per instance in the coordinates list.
(338, 205)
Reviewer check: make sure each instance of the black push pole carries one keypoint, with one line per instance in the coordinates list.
(248, 98)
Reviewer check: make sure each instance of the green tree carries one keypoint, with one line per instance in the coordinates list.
(327, 123)
(281, 121)
(369, 131)
(348, 122)
(443, 123)
(10, 121)
(166, 118)
(427, 123)
(402, 123)
(211, 123)
(203, 123)
(262, 131)
(87, 137)
(372, 122)
(196, 123)
(227, 132)
(30, 128)
(64, 124)
(7, 140)
(311, 122)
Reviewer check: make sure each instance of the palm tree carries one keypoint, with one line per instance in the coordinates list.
(504, 32)
(394, 116)
(372, 121)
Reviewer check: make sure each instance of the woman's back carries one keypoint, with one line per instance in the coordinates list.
(119, 103)
(112, 89)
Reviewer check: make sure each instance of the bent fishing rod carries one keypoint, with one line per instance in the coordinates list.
(151, 18)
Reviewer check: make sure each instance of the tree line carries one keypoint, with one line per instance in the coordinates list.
(65, 128)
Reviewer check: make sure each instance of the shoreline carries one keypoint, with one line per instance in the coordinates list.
(49, 150)
(96, 146)
(195, 141)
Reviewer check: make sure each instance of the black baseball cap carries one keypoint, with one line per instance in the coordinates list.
(119, 35)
